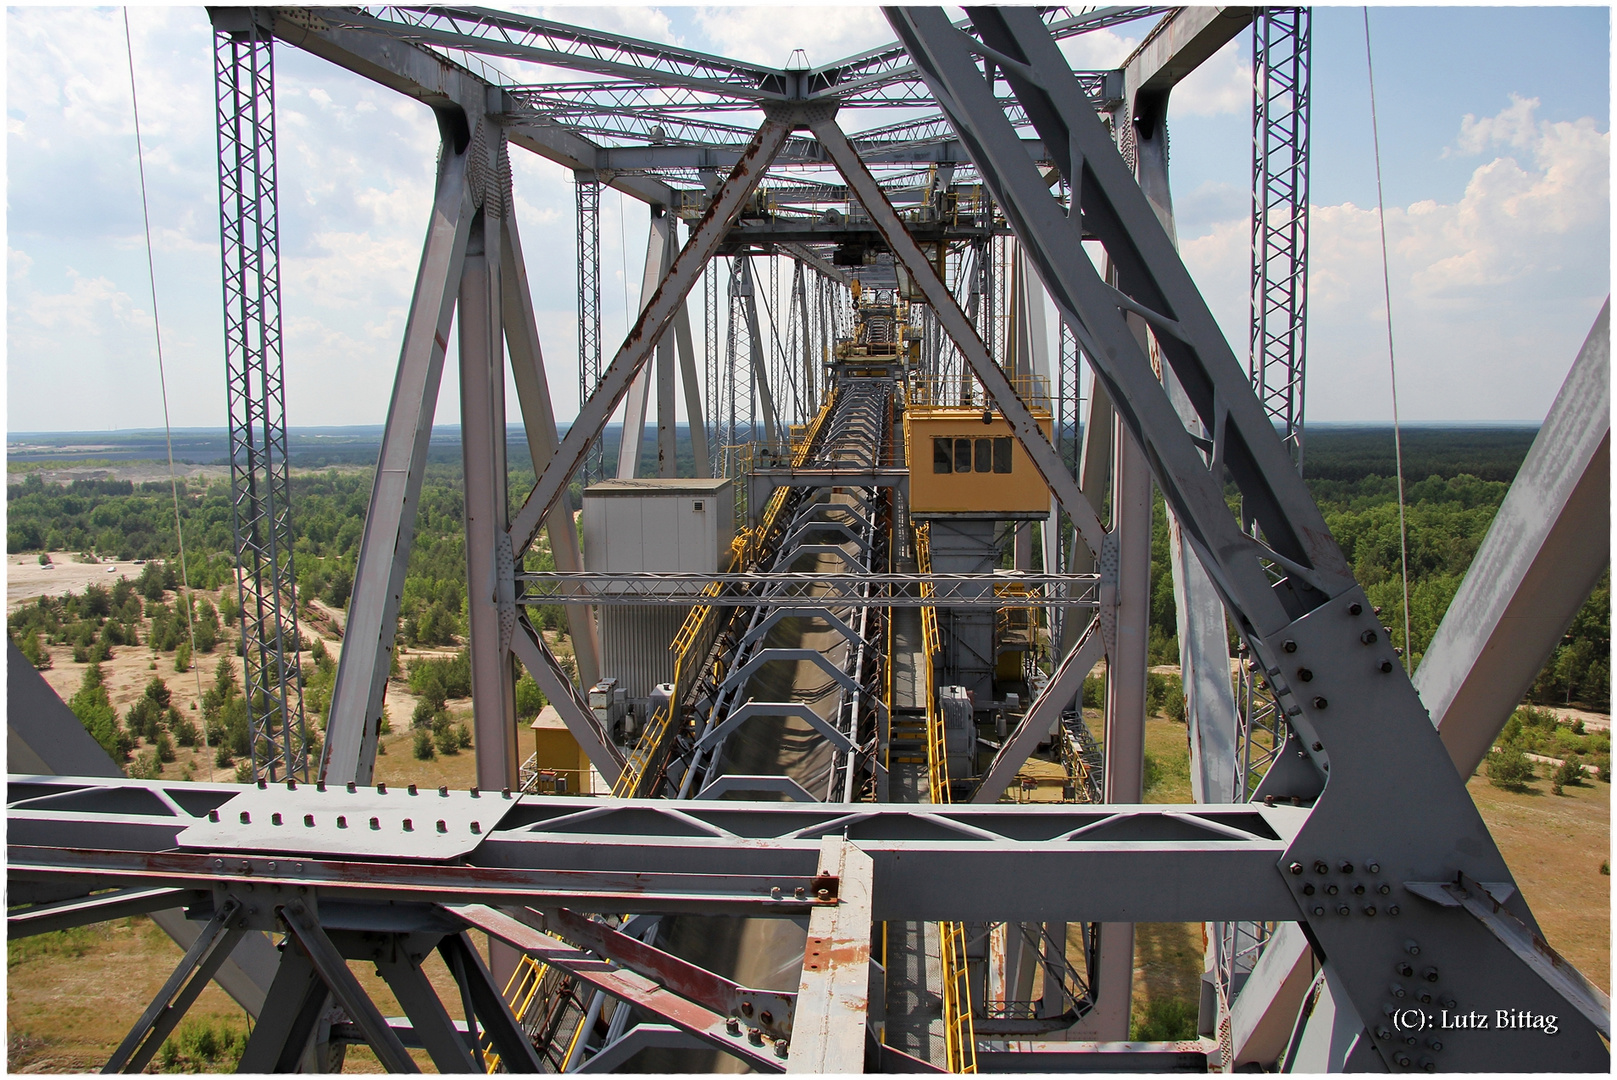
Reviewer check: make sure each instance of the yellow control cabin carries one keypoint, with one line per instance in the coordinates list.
(960, 465)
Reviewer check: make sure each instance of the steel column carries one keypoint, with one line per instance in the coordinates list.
(482, 443)
(355, 713)
(539, 424)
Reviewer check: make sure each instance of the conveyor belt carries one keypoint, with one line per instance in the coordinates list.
(767, 954)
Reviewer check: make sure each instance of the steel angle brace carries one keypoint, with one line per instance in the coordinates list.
(529, 647)
(654, 318)
(184, 986)
(431, 1025)
(623, 983)
(769, 1010)
(1066, 684)
(790, 555)
(1534, 951)
(961, 331)
(81, 911)
(333, 971)
(797, 534)
(813, 656)
(483, 999)
(775, 708)
(769, 622)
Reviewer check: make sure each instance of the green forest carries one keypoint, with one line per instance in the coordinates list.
(1455, 480)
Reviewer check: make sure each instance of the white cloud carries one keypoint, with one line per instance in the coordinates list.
(1491, 294)
(1513, 127)
(645, 23)
(1222, 85)
(768, 34)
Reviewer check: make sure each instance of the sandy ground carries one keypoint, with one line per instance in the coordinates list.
(27, 580)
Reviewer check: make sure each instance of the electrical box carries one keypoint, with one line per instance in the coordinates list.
(659, 525)
(563, 766)
(960, 465)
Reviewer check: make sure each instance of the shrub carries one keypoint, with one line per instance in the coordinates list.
(424, 713)
(147, 766)
(446, 738)
(464, 734)
(1569, 771)
(164, 746)
(1095, 692)
(1151, 775)
(202, 1045)
(182, 656)
(423, 744)
(1509, 768)
(244, 772)
(222, 756)
(185, 731)
(1165, 1020)
(530, 699)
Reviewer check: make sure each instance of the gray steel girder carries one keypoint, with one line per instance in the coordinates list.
(1545, 550)
(355, 713)
(931, 863)
(1404, 816)
(642, 338)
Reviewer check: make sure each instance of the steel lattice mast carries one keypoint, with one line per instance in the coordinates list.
(1279, 309)
(589, 302)
(259, 484)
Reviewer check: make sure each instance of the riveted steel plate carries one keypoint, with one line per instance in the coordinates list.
(382, 821)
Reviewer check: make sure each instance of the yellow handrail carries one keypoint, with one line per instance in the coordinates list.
(959, 1032)
(745, 550)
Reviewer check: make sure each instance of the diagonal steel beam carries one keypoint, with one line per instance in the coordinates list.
(530, 648)
(183, 987)
(355, 713)
(333, 970)
(627, 985)
(1543, 553)
(681, 976)
(1045, 457)
(659, 241)
(1066, 683)
(654, 319)
(539, 423)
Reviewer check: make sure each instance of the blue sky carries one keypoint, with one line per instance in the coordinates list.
(1495, 139)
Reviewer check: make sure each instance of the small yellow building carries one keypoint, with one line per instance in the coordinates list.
(960, 465)
(563, 767)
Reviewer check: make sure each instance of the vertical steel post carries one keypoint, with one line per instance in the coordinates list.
(482, 439)
(260, 489)
(587, 188)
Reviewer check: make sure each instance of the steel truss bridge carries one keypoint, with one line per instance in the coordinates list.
(1350, 889)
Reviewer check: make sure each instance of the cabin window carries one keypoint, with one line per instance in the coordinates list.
(962, 455)
(1002, 455)
(985, 455)
(942, 455)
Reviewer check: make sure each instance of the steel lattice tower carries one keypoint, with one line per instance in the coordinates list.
(1277, 339)
(588, 189)
(1279, 308)
(259, 485)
